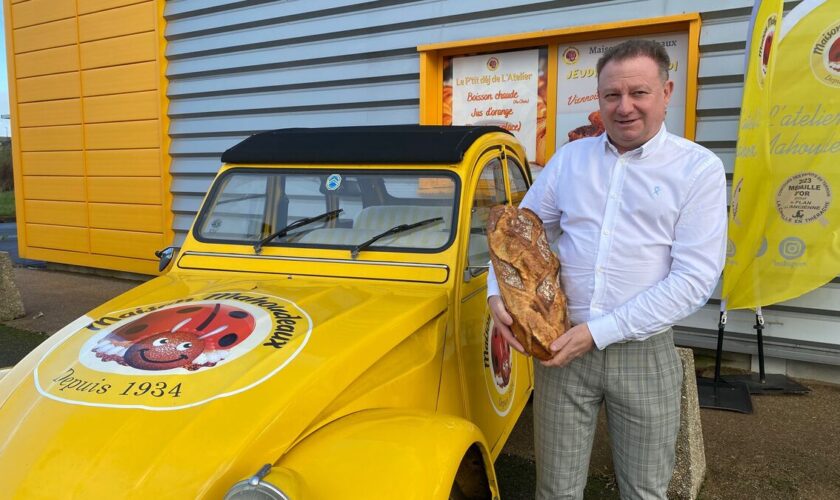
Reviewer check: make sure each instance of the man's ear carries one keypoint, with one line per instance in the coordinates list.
(669, 89)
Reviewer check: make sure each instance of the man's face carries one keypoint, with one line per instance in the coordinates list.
(632, 98)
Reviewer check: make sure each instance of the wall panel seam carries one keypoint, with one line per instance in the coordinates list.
(374, 30)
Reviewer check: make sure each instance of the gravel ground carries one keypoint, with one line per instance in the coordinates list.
(786, 449)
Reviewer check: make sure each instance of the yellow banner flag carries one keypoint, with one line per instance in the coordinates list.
(798, 249)
(751, 181)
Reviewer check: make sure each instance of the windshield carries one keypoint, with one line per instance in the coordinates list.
(249, 205)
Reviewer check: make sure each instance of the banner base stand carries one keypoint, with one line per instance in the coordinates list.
(772, 384)
(724, 395)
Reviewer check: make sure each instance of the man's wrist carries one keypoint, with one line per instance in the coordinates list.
(604, 331)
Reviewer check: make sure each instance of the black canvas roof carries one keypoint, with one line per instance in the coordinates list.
(370, 144)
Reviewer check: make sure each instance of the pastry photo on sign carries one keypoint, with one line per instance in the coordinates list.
(528, 273)
(593, 129)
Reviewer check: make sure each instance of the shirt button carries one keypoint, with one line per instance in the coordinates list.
(600, 269)
(606, 232)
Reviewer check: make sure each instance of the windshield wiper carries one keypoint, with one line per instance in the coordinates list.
(294, 225)
(394, 230)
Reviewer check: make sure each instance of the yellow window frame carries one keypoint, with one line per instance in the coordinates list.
(432, 58)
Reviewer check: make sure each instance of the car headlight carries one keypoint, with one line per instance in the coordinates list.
(256, 488)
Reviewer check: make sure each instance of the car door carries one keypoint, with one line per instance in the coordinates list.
(497, 378)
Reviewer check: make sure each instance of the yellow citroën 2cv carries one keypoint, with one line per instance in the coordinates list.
(322, 333)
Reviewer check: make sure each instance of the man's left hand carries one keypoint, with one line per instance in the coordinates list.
(571, 345)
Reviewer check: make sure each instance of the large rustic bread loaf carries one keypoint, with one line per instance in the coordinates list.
(528, 275)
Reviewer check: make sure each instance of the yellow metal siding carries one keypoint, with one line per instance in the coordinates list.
(140, 162)
(54, 188)
(39, 114)
(51, 138)
(88, 107)
(73, 239)
(48, 61)
(53, 163)
(126, 217)
(139, 190)
(45, 88)
(125, 243)
(134, 106)
(117, 22)
(116, 51)
(123, 135)
(42, 11)
(67, 213)
(88, 6)
(129, 78)
(45, 36)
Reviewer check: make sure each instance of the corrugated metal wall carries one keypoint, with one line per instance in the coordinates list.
(237, 67)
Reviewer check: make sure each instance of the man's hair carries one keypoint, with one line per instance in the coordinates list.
(637, 48)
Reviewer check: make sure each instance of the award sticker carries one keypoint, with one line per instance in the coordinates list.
(804, 198)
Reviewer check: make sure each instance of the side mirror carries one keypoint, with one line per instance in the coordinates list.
(165, 257)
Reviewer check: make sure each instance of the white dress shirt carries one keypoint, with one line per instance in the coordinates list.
(641, 236)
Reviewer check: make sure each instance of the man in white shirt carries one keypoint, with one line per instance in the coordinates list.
(639, 218)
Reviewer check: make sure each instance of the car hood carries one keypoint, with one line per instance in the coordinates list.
(186, 384)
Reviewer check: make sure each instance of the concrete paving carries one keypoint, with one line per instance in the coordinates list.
(9, 243)
(53, 299)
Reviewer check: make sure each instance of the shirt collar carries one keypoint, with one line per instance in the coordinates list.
(645, 149)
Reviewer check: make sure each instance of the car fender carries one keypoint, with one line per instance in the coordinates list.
(386, 454)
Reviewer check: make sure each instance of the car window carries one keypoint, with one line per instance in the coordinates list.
(246, 205)
(518, 185)
(490, 191)
(237, 212)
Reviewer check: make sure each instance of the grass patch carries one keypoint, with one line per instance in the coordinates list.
(15, 344)
(7, 204)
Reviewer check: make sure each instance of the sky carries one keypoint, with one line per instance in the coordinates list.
(5, 126)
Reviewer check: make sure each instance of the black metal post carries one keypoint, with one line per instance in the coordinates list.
(719, 353)
(759, 329)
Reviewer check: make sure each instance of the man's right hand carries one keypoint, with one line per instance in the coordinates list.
(502, 321)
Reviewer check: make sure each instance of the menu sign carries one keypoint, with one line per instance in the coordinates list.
(577, 86)
(506, 89)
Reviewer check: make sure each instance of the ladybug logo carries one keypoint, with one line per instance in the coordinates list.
(499, 369)
(500, 354)
(825, 56)
(764, 48)
(571, 55)
(174, 355)
(189, 336)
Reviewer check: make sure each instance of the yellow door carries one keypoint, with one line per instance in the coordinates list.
(497, 378)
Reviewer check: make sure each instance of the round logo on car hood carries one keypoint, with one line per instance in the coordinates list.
(177, 354)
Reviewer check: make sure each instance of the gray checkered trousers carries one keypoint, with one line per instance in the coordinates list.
(640, 384)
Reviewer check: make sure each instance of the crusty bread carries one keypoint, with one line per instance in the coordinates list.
(528, 275)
